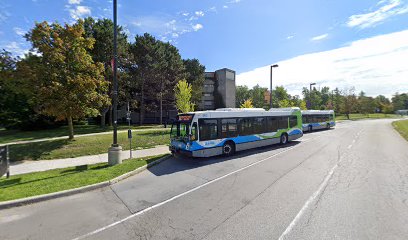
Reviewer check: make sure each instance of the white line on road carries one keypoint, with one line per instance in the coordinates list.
(182, 194)
(349, 146)
(308, 202)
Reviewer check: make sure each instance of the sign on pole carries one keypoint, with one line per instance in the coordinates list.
(4, 161)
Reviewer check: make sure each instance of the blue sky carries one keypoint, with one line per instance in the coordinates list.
(243, 35)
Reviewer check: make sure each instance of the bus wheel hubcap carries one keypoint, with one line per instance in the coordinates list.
(227, 149)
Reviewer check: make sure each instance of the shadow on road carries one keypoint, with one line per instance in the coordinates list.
(182, 163)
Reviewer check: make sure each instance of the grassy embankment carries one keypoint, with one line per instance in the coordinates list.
(38, 183)
(7, 136)
(88, 145)
(401, 127)
(358, 116)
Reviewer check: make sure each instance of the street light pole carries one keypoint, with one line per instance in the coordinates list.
(310, 94)
(270, 93)
(115, 150)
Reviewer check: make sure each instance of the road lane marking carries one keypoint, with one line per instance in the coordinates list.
(308, 202)
(184, 193)
(349, 146)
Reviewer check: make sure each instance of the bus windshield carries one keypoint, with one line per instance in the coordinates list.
(180, 130)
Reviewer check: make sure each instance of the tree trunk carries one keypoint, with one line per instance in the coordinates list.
(103, 117)
(70, 128)
(161, 108)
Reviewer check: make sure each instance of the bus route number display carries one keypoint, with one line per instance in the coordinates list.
(185, 118)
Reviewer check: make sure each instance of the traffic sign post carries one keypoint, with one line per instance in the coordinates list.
(128, 117)
(4, 161)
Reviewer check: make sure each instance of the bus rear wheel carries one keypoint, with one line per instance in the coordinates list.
(284, 139)
(228, 149)
(328, 126)
(310, 128)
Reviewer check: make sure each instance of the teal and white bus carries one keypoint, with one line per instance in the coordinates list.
(228, 130)
(317, 119)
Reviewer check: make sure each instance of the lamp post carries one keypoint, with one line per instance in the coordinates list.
(270, 93)
(115, 150)
(310, 94)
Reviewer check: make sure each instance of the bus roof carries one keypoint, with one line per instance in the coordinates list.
(244, 112)
(310, 112)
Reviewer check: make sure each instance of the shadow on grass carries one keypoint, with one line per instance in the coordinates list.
(18, 181)
(34, 151)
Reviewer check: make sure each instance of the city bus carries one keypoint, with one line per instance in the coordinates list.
(229, 130)
(317, 119)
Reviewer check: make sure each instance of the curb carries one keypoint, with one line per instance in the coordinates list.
(49, 196)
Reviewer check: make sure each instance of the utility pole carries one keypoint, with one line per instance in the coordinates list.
(270, 93)
(115, 150)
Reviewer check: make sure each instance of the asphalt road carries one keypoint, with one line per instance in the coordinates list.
(346, 183)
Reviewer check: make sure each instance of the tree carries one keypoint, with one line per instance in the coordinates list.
(70, 85)
(349, 101)
(400, 101)
(183, 92)
(242, 93)
(102, 31)
(247, 104)
(194, 73)
(258, 96)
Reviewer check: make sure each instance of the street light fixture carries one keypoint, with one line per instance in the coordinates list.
(310, 94)
(115, 150)
(270, 93)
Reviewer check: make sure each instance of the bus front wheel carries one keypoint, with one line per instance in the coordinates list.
(228, 149)
(284, 139)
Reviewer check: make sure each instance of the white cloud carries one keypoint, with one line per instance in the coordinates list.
(16, 48)
(225, 6)
(197, 27)
(320, 37)
(392, 8)
(199, 13)
(376, 65)
(19, 31)
(80, 12)
(74, 1)
(289, 37)
(234, 1)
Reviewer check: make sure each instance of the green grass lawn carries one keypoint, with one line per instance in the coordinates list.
(357, 116)
(32, 184)
(402, 128)
(17, 135)
(82, 146)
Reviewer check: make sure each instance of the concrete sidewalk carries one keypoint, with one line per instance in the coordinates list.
(43, 165)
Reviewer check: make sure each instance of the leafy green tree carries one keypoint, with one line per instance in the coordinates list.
(183, 92)
(194, 73)
(400, 101)
(242, 93)
(70, 85)
(258, 96)
(349, 101)
(247, 104)
(102, 31)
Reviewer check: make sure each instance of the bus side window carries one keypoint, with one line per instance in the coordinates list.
(245, 126)
(293, 121)
(208, 129)
(283, 123)
(272, 125)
